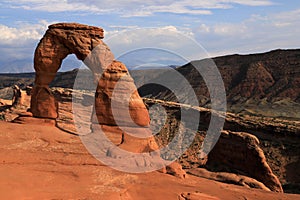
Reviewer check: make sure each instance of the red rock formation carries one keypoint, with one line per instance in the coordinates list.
(59, 41)
(256, 82)
(240, 151)
(115, 74)
(21, 98)
(229, 178)
(119, 111)
(277, 138)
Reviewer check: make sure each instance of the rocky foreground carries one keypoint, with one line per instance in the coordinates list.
(41, 160)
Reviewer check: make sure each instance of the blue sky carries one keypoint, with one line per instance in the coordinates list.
(221, 26)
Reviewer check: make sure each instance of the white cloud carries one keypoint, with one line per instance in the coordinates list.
(54, 6)
(130, 8)
(21, 34)
(250, 2)
(256, 34)
(19, 42)
(230, 29)
(203, 28)
(175, 41)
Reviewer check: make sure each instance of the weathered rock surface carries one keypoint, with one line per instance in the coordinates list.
(63, 39)
(39, 162)
(21, 98)
(230, 178)
(175, 169)
(196, 196)
(116, 94)
(59, 41)
(241, 151)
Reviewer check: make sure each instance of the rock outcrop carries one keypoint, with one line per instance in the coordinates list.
(21, 98)
(236, 152)
(230, 178)
(119, 110)
(241, 152)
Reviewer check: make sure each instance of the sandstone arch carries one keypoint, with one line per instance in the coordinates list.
(59, 41)
(86, 43)
(63, 39)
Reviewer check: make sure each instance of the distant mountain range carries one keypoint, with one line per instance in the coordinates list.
(251, 81)
(270, 75)
(26, 65)
(264, 84)
(69, 63)
(17, 66)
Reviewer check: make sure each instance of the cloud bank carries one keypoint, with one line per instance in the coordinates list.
(133, 8)
(257, 33)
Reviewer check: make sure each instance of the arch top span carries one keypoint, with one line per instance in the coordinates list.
(76, 26)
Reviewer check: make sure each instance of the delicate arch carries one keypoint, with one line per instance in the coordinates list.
(86, 43)
(59, 41)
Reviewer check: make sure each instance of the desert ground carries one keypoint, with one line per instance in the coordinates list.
(39, 161)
